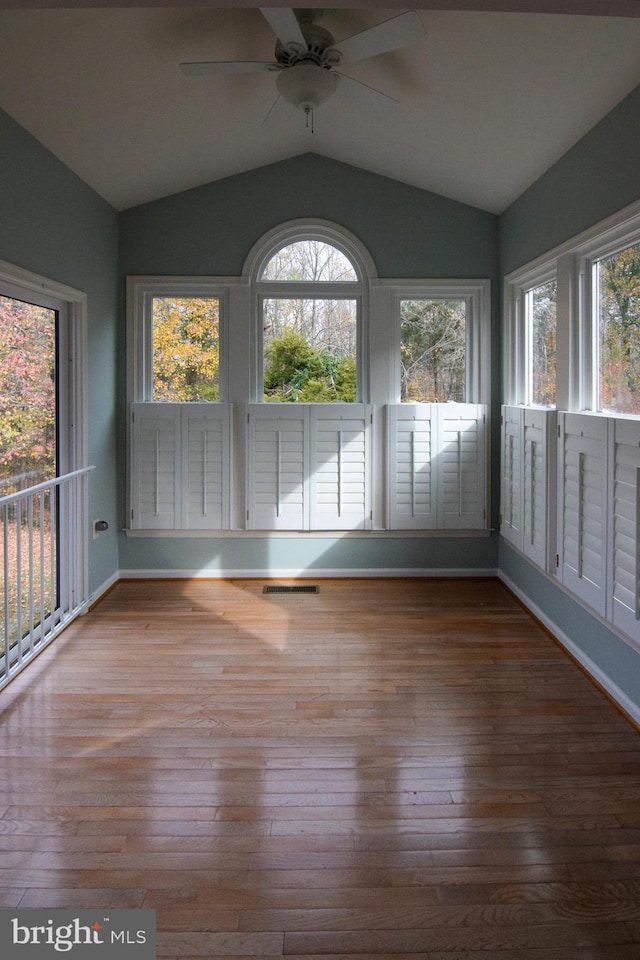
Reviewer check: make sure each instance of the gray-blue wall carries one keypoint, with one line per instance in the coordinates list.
(53, 224)
(598, 177)
(408, 232)
(595, 179)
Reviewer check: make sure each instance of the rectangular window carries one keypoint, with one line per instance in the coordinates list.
(617, 296)
(310, 349)
(308, 453)
(541, 326)
(571, 479)
(186, 348)
(433, 351)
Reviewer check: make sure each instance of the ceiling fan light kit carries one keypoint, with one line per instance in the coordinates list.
(306, 85)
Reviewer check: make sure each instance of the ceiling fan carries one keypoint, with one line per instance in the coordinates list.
(307, 57)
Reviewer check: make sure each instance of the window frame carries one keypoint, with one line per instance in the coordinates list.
(358, 290)
(476, 295)
(586, 439)
(577, 372)
(518, 340)
(72, 415)
(607, 244)
(71, 308)
(141, 292)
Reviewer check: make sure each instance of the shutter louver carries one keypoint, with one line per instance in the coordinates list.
(582, 518)
(155, 478)
(461, 466)
(339, 455)
(180, 466)
(626, 521)
(537, 426)
(511, 494)
(205, 440)
(277, 465)
(410, 479)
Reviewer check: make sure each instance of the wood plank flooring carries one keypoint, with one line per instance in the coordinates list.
(393, 769)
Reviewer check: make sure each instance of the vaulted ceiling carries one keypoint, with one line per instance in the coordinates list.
(487, 102)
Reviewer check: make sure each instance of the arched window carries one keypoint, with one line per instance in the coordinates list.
(309, 284)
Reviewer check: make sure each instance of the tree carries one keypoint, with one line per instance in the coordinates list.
(311, 260)
(432, 350)
(297, 373)
(619, 304)
(27, 392)
(309, 342)
(543, 320)
(186, 348)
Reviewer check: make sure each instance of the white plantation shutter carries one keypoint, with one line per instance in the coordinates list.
(339, 461)
(582, 507)
(155, 466)
(437, 466)
(511, 492)
(461, 466)
(278, 467)
(625, 527)
(410, 471)
(537, 430)
(205, 463)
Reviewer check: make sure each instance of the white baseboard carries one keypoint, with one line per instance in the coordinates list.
(306, 573)
(627, 705)
(100, 591)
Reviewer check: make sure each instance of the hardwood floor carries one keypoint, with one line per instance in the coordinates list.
(389, 768)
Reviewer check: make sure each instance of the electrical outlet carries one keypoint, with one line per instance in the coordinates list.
(99, 526)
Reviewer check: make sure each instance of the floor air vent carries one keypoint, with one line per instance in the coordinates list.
(282, 588)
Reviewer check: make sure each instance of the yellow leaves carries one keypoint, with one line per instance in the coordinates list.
(186, 348)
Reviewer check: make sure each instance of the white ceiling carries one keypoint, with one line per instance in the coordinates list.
(487, 102)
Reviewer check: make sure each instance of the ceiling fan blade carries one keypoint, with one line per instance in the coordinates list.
(368, 96)
(284, 24)
(217, 67)
(389, 35)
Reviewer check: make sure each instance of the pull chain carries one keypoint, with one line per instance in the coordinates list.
(308, 111)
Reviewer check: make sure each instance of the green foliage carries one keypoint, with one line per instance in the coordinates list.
(297, 373)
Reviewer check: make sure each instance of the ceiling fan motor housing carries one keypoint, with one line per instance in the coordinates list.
(318, 41)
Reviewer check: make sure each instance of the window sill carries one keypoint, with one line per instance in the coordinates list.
(306, 534)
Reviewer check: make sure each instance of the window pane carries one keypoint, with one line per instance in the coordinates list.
(309, 350)
(27, 394)
(310, 260)
(618, 292)
(186, 348)
(432, 350)
(542, 317)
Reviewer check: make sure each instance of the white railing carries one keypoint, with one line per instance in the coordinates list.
(44, 570)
